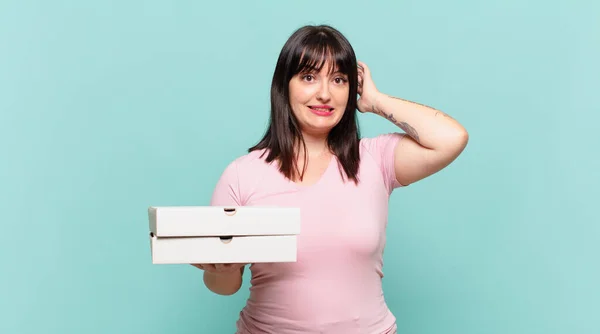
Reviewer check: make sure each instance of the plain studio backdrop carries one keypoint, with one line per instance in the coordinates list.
(109, 107)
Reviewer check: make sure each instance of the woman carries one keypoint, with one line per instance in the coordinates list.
(335, 285)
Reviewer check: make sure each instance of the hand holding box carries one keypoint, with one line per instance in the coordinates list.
(212, 234)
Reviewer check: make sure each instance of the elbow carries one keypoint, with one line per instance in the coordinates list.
(456, 141)
(462, 138)
(460, 141)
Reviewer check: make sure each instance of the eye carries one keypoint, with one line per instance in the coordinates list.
(308, 77)
(340, 80)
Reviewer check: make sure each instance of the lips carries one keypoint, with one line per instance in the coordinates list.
(322, 108)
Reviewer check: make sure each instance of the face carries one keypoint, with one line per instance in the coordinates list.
(318, 99)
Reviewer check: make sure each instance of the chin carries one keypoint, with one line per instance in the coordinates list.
(321, 126)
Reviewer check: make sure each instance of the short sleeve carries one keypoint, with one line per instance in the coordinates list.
(227, 190)
(382, 148)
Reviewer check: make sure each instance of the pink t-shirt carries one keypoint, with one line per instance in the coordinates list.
(335, 285)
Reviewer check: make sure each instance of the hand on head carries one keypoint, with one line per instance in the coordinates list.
(366, 89)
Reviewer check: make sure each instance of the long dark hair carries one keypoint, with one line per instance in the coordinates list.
(307, 49)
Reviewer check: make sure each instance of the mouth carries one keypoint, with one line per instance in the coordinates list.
(321, 110)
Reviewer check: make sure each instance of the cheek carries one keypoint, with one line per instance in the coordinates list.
(340, 90)
(341, 95)
(299, 95)
(305, 94)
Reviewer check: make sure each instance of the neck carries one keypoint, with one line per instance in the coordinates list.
(316, 145)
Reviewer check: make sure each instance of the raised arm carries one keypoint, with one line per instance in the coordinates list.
(433, 139)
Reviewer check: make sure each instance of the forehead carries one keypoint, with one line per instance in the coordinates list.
(324, 63)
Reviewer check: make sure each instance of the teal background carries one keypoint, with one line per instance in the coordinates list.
(109, 107)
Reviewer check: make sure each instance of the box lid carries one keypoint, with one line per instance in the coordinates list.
(189, 221)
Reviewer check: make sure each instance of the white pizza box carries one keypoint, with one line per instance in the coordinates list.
(216, 234)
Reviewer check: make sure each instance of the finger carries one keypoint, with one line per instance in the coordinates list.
(234, 266)
(219, 267)
(225, 267)
(209, 267)
(364, 68)
(199, 266)
(230, 267)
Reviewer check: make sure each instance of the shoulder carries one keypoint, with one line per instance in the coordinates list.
(241, 178)
(377, 155)
(250, 162)
(380, 145)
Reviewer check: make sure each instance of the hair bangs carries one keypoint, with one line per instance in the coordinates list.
(321, 50)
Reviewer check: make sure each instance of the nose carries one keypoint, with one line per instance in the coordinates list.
(323, 94)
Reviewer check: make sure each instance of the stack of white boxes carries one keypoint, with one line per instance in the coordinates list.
(213, 234)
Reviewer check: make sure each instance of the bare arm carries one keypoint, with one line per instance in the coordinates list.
(434, 139)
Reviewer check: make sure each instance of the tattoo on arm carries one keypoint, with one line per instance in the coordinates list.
(403, 125)
(410, 131)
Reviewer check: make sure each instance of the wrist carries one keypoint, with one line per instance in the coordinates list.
(376, 104)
